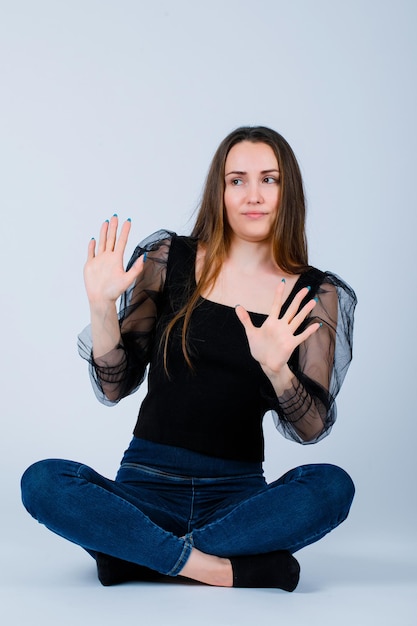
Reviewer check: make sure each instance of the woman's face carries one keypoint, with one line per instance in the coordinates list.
(252, 190)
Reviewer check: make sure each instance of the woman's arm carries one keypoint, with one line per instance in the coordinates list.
(105, 280)
(117, 346)
(305, 407)
(305, 355)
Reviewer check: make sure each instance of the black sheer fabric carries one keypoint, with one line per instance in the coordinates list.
(122, 370)
(319, 364)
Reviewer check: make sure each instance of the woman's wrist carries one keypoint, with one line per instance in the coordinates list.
(281, 380)
(101, 308)
(105, 329)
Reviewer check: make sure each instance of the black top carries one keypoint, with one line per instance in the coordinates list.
(217, 407)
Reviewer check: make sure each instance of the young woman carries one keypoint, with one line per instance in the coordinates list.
(233, 322)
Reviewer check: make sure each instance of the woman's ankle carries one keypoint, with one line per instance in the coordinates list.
(208, 569)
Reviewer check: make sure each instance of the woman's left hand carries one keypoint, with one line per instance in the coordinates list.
(273, 343)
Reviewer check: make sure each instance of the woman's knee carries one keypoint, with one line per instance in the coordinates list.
(339, 489)
(40, 483)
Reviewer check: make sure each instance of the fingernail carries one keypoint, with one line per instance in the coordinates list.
(106, 221)
(144, 257)
(309, 288)
(128, 219)
(114, 214)
(321, 324)
(316, 299)
(283, 280)
(93, 238)
(236, 305)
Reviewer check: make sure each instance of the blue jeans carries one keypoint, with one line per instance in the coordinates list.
(165, 500)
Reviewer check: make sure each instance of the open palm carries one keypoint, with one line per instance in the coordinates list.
(104, 274)
(273, 343)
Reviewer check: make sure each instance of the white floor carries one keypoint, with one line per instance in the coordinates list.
(45, 580)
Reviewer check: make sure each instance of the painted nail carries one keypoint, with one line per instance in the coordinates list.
(144, 257)
(106, 221)
(114, 214)
(309, 288)
(315, 299)
(283, 280)
(321, 324)
(128, 219)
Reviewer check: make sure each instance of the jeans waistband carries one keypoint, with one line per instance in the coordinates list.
(183, 462)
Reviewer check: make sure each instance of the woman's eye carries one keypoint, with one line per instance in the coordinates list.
(236, 181)
(270, 180)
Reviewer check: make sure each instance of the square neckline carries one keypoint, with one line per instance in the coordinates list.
(285, 304)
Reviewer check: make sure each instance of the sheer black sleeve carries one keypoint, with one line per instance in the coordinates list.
(120, 372)
(319, 366)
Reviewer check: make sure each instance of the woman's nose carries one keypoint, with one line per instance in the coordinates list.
(254, 193)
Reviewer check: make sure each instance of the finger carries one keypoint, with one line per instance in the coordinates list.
(244, 317)
(136, 269)
(112, 232)
(91, 252)
(291, 312)
(310, 330)
(278, 298)
(301, 315)
(103, 237)
(123, 237)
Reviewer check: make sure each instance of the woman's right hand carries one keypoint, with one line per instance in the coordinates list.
(104, 274)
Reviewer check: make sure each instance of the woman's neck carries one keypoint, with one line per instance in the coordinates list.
(248, 276)
(251, 257)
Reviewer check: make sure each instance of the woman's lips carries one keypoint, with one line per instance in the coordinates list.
(254, 214)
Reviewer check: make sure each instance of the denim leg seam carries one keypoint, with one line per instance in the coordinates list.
(145, 519)
(315, 537)
(217, 535)
(260, 493)
(183, 558)
(190, 519)
(233, 511)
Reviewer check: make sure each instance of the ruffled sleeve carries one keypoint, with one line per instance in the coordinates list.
(120, 372)
(319, 365)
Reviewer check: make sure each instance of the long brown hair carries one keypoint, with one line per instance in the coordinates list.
(211, 229)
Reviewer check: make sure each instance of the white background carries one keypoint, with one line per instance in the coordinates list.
(118, 107)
